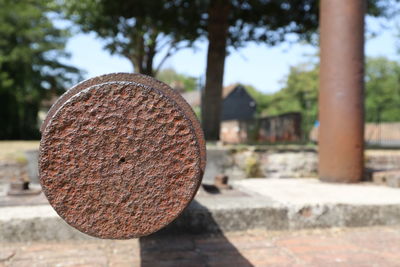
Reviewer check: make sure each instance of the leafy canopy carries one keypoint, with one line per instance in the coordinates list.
(382, 90)
(31, 53)
(138, 29)
(300, 93)
(179, 81)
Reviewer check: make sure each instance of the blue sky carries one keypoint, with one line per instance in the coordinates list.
(261, 66)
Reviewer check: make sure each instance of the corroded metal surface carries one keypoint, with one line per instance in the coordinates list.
(341, 96)
(121, 156)
(146, 81)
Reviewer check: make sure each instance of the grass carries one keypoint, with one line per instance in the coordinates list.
(14, 150)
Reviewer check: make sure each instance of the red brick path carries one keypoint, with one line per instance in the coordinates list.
(375, 246)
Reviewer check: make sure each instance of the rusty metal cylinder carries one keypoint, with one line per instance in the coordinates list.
(341, 96)
(121, 156)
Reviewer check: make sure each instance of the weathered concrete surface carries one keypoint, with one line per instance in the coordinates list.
(218, 161)
(382, 159)
(205, 214)
(314, 192)
(224, 214)
(272, 204)
(249, 161)
(311, 203)
(290, 164)
(390, 178)
(32, 165)
(35, 223)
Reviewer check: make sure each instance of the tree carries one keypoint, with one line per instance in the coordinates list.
(382, 102)
(171, 77)
(234, 23)
(30, 52)
(218, 25)
(263, 100)
(135, 29)
(300, 93)
(138, 29)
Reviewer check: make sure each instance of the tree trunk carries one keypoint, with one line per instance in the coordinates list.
(148, 61)
(143, 58)
(218, 25)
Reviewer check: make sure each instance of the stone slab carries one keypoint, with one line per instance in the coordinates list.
(311, 191)
(390, 178)
(268, 204)
(313, 204)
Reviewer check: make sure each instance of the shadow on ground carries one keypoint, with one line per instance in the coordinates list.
(181, 244)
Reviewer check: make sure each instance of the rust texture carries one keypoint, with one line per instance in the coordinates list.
(119, 157)
(144, 80)
(341, 108)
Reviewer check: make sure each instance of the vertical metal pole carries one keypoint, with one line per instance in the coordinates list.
(341, 96)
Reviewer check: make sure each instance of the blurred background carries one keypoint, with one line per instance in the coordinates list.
(250, 70)
(271, 52)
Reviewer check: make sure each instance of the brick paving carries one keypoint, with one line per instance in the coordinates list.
(373, 246)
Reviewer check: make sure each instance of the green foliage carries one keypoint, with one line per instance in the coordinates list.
(269, 22)
(141, 29)
(383, 8)
(263, 100)
(300, 93)
(197, 111)
(30, 52)
(382, 90)
(253, 167)
(172, 78)
(138, 29)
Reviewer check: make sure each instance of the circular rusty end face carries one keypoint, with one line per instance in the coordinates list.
(121, 156)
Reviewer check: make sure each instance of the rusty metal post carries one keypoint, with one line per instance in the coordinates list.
(341, 108)
(121, 156)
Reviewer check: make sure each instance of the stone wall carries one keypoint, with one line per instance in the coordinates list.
(382, 159)
(11, 171)
(25, 167)
(245, 162)
(249, 162)
(240, 162)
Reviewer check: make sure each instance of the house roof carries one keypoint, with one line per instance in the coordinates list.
(228, 89)
(194, 97)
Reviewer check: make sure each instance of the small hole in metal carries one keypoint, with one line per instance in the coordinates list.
(122, 159)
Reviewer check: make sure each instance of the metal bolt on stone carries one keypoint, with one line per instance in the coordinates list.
(221, 181)
(19, 185)
(21, 188)
(121, 156)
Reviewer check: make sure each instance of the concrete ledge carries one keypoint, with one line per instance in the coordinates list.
(312, 204)
(215, 215)
(35, 223)
(272, 204)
